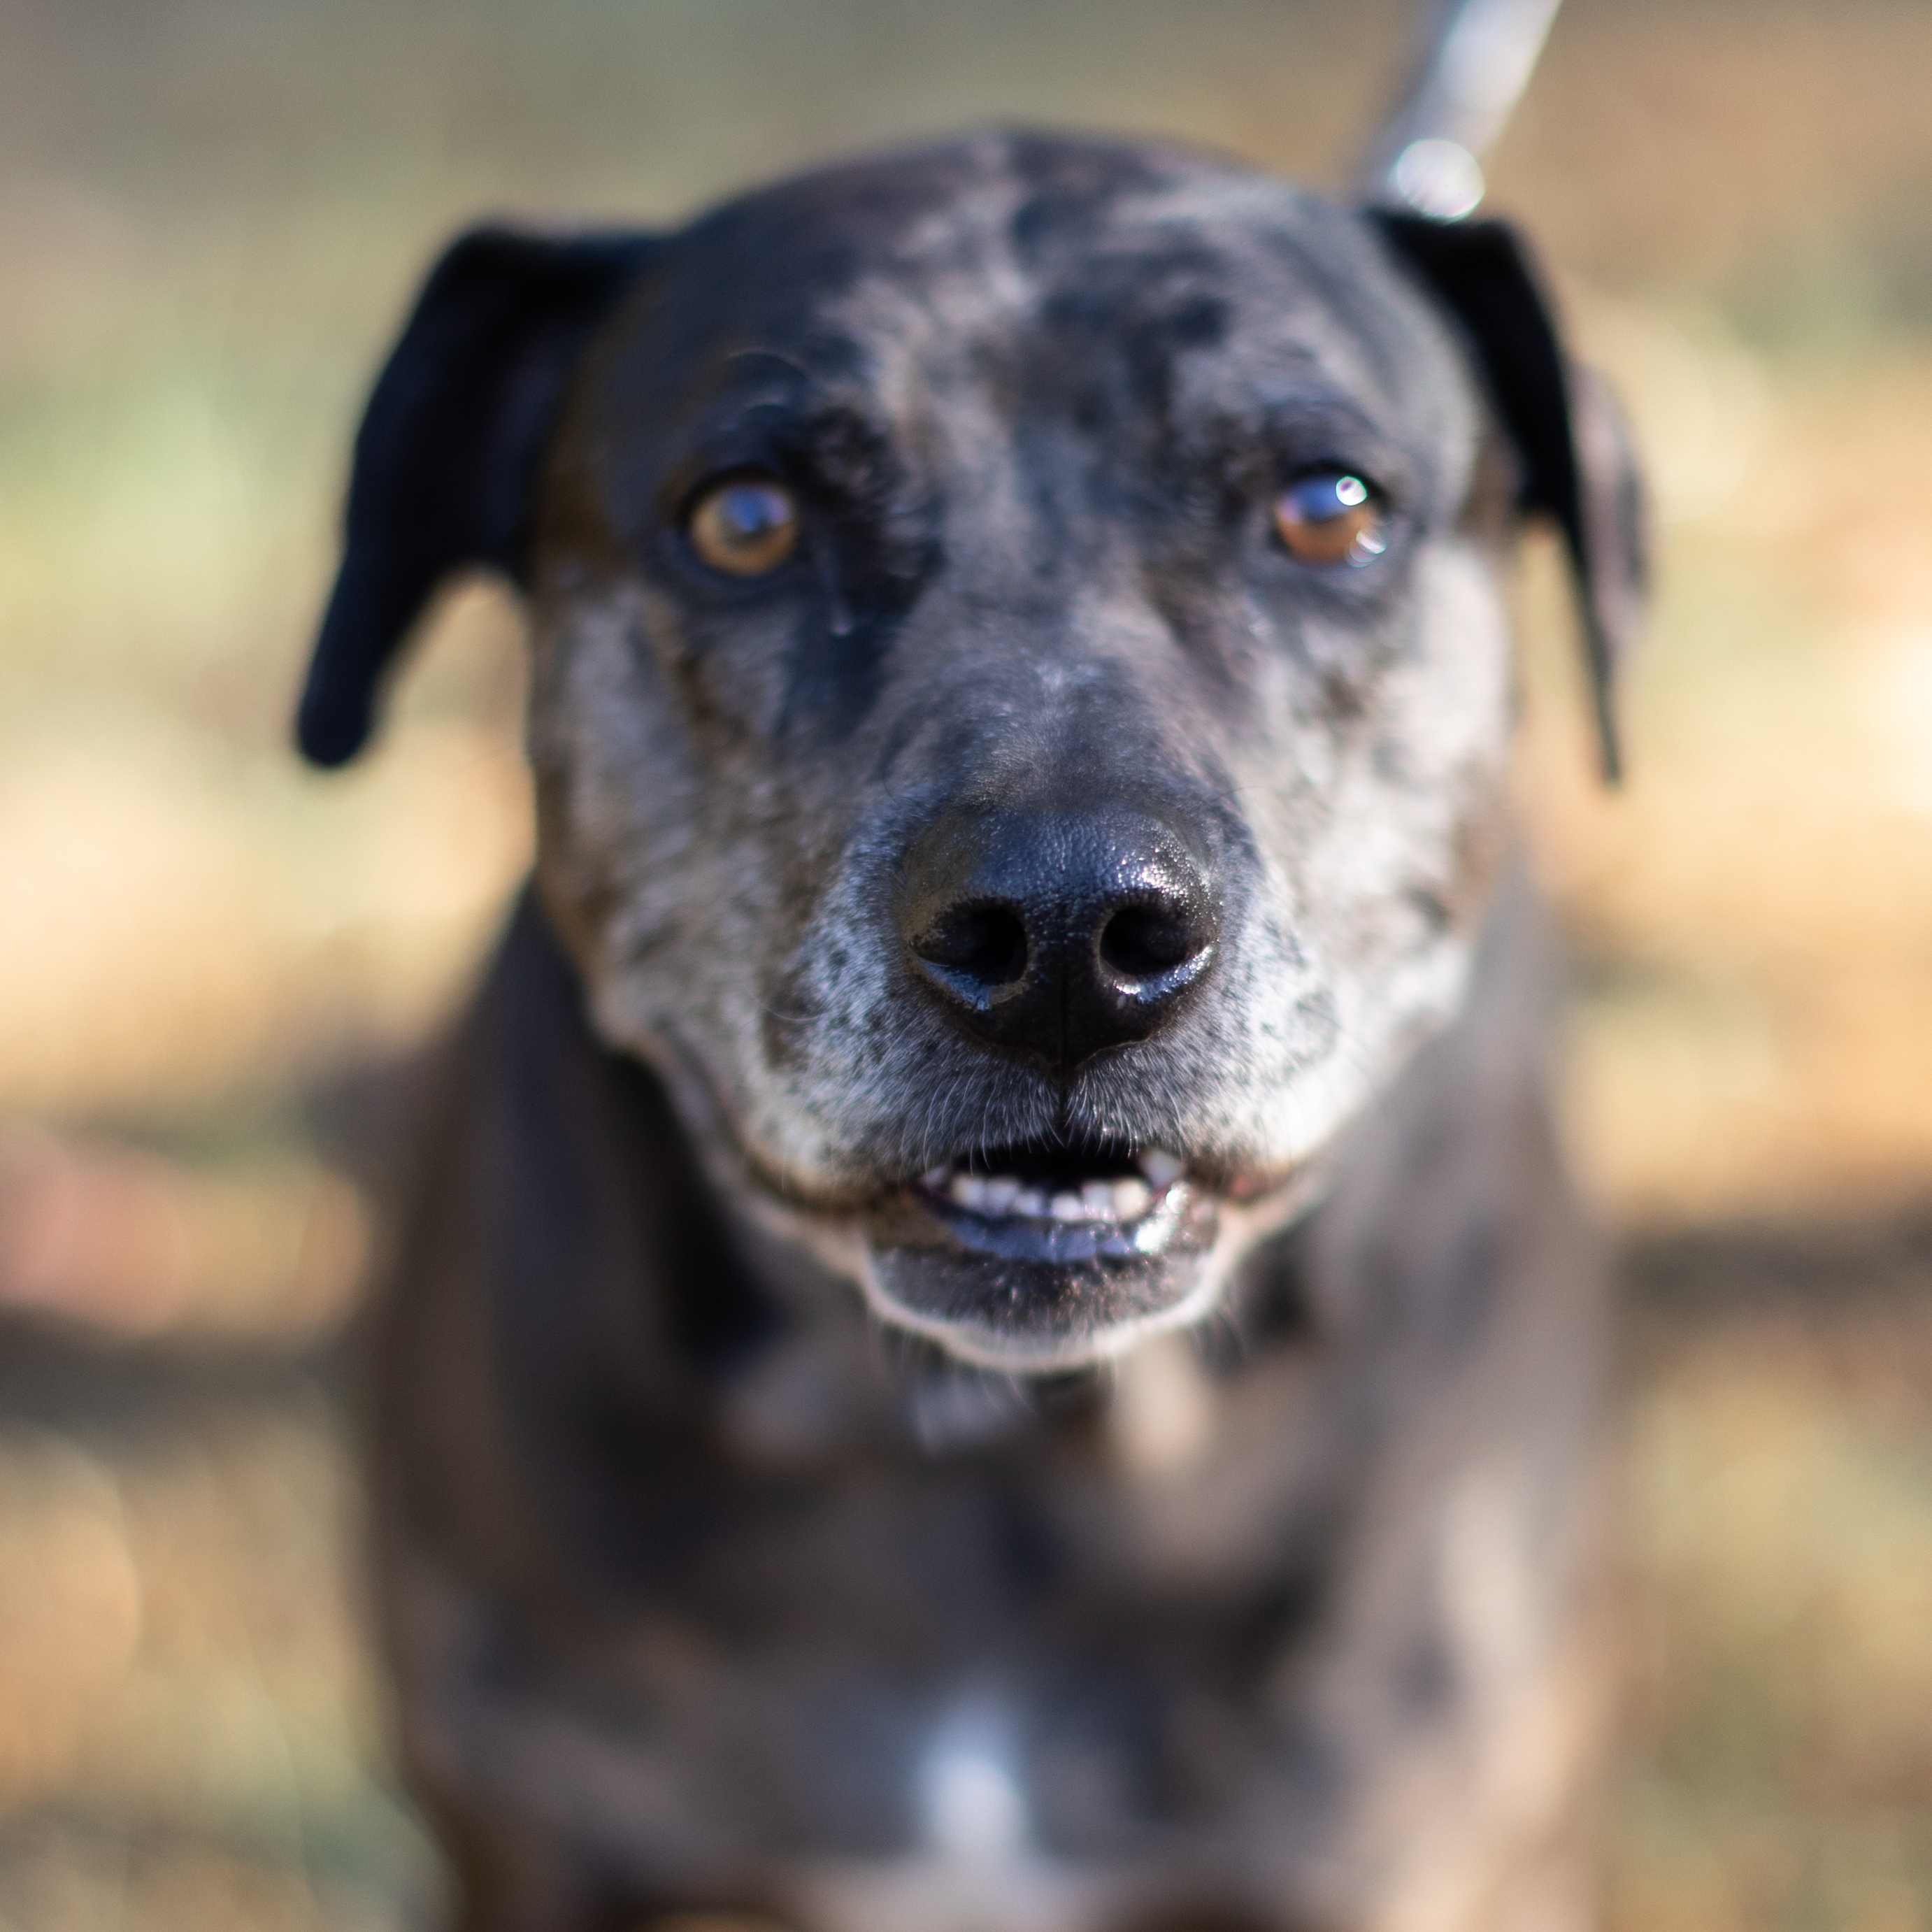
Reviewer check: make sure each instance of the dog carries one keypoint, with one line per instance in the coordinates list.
(990, 1331)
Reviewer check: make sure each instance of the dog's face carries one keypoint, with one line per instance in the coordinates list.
(1020, 695)
(1023, 848)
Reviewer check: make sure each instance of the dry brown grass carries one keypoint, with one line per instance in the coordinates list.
(1754, 1040)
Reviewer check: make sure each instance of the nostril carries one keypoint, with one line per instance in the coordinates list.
(987, 943)
(1141, 942)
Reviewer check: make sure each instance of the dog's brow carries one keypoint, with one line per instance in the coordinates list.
(1308, 416)
(763, 355)
(798, 417)
(764, 377)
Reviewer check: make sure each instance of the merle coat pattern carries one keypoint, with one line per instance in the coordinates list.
(990, 1331)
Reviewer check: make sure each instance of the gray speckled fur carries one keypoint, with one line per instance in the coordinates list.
(1287, 1618)
(743, 872)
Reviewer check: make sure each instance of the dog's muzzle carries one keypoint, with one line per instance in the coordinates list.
(1051, 937)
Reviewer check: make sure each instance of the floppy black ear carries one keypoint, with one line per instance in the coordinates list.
(1578, 466)
(446, 460)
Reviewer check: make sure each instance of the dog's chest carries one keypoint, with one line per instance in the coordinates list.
(1105, 1596)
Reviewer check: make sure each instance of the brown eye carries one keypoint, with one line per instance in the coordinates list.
(746, 526)
(1330, 517)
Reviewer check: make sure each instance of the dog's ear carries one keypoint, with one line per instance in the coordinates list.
(1578, 466)
(446, 460)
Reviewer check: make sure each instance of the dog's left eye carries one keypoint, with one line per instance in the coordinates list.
(745, 525)
(1330, 517)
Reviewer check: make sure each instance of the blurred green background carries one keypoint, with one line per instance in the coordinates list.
(212, 214)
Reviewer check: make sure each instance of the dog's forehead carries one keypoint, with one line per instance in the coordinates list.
(885, 270)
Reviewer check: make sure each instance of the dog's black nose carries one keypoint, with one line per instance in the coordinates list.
(1058, 933)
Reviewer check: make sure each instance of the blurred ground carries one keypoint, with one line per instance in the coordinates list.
(210, 214)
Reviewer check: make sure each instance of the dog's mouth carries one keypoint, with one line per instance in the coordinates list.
(1043, 1256)
(1057, 1204)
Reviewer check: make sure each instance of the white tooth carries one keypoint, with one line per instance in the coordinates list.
(969, 1190)
(1161, 1168)
(1097, 1196)
(936, 1177)
(1001, 1194)
(1131, 1198)
(1032, 1203)
(1067, 1207)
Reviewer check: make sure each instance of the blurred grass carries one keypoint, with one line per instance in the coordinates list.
(211, 214)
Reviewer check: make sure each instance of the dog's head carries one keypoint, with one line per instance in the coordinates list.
(1020, 681)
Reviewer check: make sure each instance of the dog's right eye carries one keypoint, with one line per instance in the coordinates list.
(1328, 517)
(745, 525)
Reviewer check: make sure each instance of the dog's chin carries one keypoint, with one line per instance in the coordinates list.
(1033, 1260)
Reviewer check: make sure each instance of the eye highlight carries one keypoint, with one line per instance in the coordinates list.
(1330, 518)
(743, 526)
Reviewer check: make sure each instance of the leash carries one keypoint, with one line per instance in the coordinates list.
(1474, 59)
